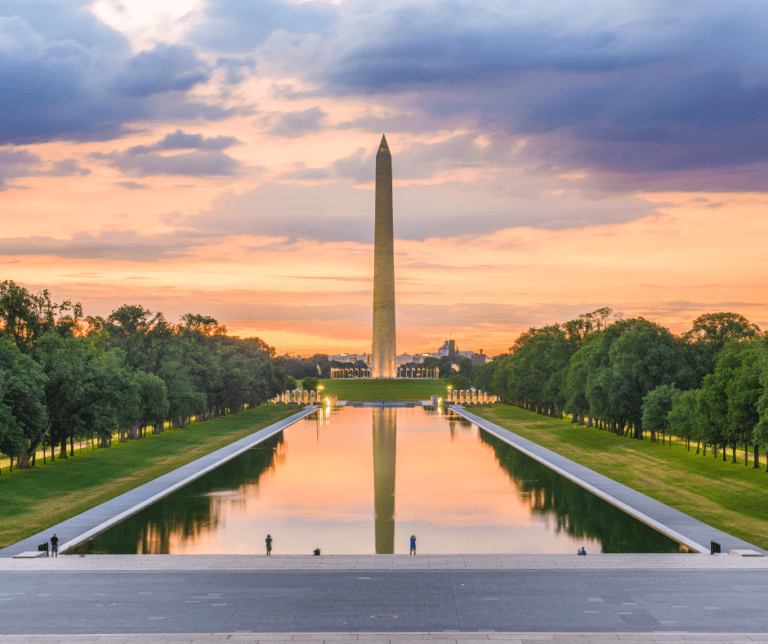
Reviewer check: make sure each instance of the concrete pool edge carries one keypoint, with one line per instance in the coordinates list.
(675, 524)
(382, 563)
(105, 515)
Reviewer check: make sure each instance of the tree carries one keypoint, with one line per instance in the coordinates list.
(729, 395)
(11, 436)
(743, 391)
(459, 382)
(760, 432)
(291, 384)
(720, 328)
(84, 391)
(310, 384)
(468, 368)
(710, 333)
(25, 317)
(484, 377)
(23, 416)
(145, 402)
(683, 418)
(657, 404)
(445, 367)
(642, 358)
(585, 378)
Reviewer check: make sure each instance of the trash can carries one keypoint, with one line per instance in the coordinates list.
(714, 548)
(43, 547)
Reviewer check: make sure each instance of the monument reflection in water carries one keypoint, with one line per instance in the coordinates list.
(362, 480)
(384, 463)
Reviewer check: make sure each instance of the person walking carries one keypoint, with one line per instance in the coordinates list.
(413, 545)
(269, 545)
(54, 545)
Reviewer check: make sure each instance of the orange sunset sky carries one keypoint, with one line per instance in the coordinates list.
(549, 158)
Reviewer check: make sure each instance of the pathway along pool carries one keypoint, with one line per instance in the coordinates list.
(363, 480)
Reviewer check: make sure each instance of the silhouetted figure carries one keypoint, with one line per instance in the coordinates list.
(54, 545)
(413, 545)
(269, 545)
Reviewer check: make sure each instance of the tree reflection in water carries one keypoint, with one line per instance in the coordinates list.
(192, 510)
(576, 511)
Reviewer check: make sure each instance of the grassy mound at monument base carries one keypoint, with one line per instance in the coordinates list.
(374, 390)
(730, 497)
(32, 500)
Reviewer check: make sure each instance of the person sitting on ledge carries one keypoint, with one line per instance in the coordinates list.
(582, 551)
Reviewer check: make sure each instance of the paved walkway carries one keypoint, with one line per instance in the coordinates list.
(404, 601)
(384, 638)
(83, 526)
(680, 527)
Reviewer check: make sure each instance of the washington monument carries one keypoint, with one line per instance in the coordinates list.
(383, 363)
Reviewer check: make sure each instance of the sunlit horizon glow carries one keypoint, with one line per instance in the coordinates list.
(218, 158)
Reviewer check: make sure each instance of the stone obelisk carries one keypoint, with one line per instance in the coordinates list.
(383, 363)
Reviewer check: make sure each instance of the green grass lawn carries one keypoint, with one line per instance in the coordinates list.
(733, 498)
(32, 500)
(374, 390)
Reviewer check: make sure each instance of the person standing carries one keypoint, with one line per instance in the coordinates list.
(54, 545)
(413, 545)
(269, 545)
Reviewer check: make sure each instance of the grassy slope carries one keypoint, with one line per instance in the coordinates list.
(373, 390)
(32, 500)
(732, 498)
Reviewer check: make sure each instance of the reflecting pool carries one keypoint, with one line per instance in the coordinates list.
(363, 480)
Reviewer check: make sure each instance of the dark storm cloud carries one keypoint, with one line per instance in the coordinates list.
(66, 76)
(641, 87)
(110, 244)
(237, 26)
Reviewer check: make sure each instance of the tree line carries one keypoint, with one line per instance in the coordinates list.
(708, 385)
(67, 377)
(320, 365)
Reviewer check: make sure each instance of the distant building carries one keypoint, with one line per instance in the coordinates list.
(351, 357)
(448, 349)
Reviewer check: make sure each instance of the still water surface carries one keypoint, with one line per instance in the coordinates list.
(362, 480)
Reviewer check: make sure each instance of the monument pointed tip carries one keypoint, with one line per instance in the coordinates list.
(383, 147)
